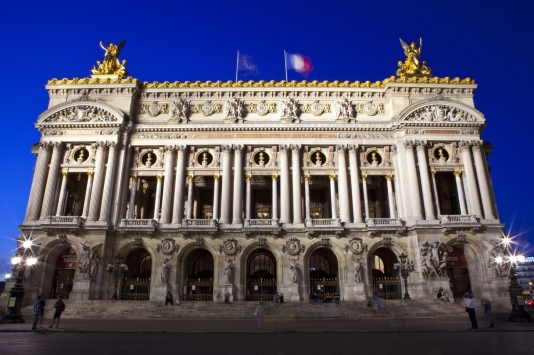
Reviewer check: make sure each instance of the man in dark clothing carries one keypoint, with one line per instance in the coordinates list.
(169, 299)
(37, 311)
(59, 307)
(470, 309)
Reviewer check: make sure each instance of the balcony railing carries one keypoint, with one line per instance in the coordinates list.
(138, 224)
(200, 223)
(323, 223)
(261, 223)
(64, 220)
(384, 222)
(457, 219)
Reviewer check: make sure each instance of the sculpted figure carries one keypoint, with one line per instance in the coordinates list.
(357, 271)
(180, 109)
(412, 66)
(288, 108)
(94, 265)
(84, 265)
(294, 272)
(228, 273)
(233, 109)
(165, 270)
(343, 109)
(111, 63)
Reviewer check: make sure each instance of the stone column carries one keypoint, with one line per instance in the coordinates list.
(190, 185)
(120, 186)
(88, 190)
(275, 197)
(96, 193)
(417, 213)
(436, 195)
(391, 197)
(215, 197)
(237, 212)
(460, 188)
(51, 181)
(284, 185)
(365, 199)
(157, 202)
(402, 187)
(343, 185)
(133, 190)
(425, 181)
(178, 204)
(333, 196)
(483, 183)
(248, 197)
(397, 182)
(62, 194)
(297, 195)
(226, 184)
(472, 188)
(107, 194)
(355, 184)
(167, 185)
(38, 183)
(307, 196)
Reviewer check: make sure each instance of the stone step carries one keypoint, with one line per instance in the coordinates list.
(246, 310)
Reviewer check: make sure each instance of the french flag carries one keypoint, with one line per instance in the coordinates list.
(299, 63)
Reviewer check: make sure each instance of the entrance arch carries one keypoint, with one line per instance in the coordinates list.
(261, 276)
(323, 271)
(457, 271)
(386, 280)
(64, 271)
(198, 276)
(136, 280)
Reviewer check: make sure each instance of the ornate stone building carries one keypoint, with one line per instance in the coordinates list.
(230, 191)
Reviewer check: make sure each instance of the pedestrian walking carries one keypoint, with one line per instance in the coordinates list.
(59, 306)
(37, 311)
(470, 309)
(489, 313)
(41, 319)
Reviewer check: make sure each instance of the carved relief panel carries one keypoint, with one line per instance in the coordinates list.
(261, 157)
(204, 157)
(147, 158)
(319, 157)
(375, 157)
(443, 154)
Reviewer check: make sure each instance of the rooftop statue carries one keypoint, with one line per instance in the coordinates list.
(111, 65)
(412, 66)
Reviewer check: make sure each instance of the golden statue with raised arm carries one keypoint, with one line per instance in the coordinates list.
(412, 66)
(111, 66)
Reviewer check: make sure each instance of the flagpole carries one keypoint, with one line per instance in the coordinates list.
(237, 66)
(285, 62)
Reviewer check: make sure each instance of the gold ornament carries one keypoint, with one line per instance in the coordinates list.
(412, 66)
(111, 67)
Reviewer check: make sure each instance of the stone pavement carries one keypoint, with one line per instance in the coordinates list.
(274, 325)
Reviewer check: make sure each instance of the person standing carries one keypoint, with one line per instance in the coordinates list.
(37, 311)
(59, 306)
(169, 299)
(470, 309)
(488, 312)
(41, 319)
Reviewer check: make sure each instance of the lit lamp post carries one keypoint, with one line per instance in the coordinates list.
(516, 291)
(117, 270)
(20, 262)
(405, 268)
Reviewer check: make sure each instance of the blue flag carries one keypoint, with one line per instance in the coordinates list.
(245, 65)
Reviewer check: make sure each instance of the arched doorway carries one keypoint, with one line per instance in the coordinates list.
(64, 271)
(136, 281)
(384, 273)
(198, 276)
(323, 271)
(457, 271)
(261, 276)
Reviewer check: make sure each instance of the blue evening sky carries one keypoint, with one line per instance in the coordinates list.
(490, 41)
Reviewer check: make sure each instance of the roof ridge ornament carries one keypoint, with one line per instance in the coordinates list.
(412, 66)
(111, 67)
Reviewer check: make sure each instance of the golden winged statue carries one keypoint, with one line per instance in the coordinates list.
(111, 66)
(413, 66)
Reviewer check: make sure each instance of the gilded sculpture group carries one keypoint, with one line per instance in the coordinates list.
(411, 67)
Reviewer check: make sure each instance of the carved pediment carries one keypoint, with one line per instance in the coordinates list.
(440, 112)
(81, 113)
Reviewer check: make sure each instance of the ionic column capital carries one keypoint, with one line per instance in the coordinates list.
(389, 177)
(341, 147)
(159, 177)
(353, 147)
(364, 177)
(216, 177)
(332, 177)
(65, 173)
(284, 147)
(180, 147)
(420, 144)
(226, 148)
(295, 147)
(307, 177)
(90, 173)
(46, 145)
(408, 144)
(465, 145)
(238, 147)
(275, 177)
(248, 177)
(477, 145)
(458, 173)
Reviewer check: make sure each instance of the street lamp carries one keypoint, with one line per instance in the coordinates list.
(516, 291)
(23, 260)
(405, 268)
(117, 270)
